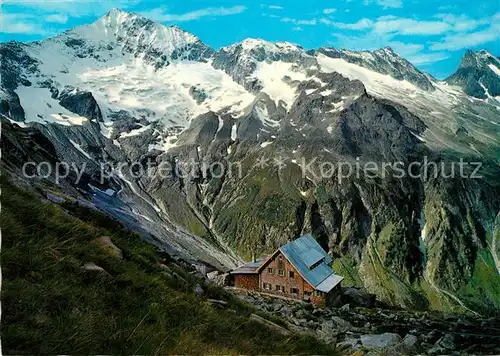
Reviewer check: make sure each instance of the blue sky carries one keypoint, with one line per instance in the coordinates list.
(431, 34)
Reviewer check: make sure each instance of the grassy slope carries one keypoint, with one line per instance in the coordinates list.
(51, 306)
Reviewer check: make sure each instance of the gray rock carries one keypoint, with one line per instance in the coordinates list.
(93, 269)
(198, 94)
(358, 296)
(446, 342)
(410, 343)
(345, 308)
(430, 337)
(349, 343)
(341, 324)
(285, 311)
(198, 290)
(212, 275)
(301, 313)
(327, 332)
(218, 278)
(380, 341)
(108, 245)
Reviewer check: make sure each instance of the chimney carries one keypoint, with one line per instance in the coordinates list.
(253, 256)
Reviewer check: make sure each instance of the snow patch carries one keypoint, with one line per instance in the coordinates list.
(221, 124)
(135, 132)
(234, 132)
(80, 149)
(420, 138)
(39, 107)
(495, 69)
(272, 77)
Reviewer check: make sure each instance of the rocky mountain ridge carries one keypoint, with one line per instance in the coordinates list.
(478, 74)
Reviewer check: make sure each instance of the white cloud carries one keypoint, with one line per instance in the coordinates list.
(457, 41)
(390, 3)
(20, 24)
(311, 22)
(307, 22)
(365, 41)
(329, 11)
(427, 58)
(275, 7)
(406, 26)
(297, 29)
(392, 25)
(362, 24)
(273, 16)
(463, 23)
(405, 49)
(386, 3)
(57, 18)
(450, 32)
(161, 15)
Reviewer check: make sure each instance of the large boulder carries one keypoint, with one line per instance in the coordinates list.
(380, 341)
(411, 342)
(341, 324)
(218, 278)
(444, 345)
(358, 296)
(107, 245)
(93, 271)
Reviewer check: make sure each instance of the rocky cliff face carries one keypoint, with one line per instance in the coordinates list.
(242, 149)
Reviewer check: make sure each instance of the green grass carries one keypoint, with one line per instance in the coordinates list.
(51, 306)
(482, 293)
(346, 267)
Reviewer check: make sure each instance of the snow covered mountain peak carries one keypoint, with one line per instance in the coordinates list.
(142, 75)
(143, 38)
(478, 74)
(384, 61)
(249, 44)
(244, 60)
(259, 50)
(478, 59)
